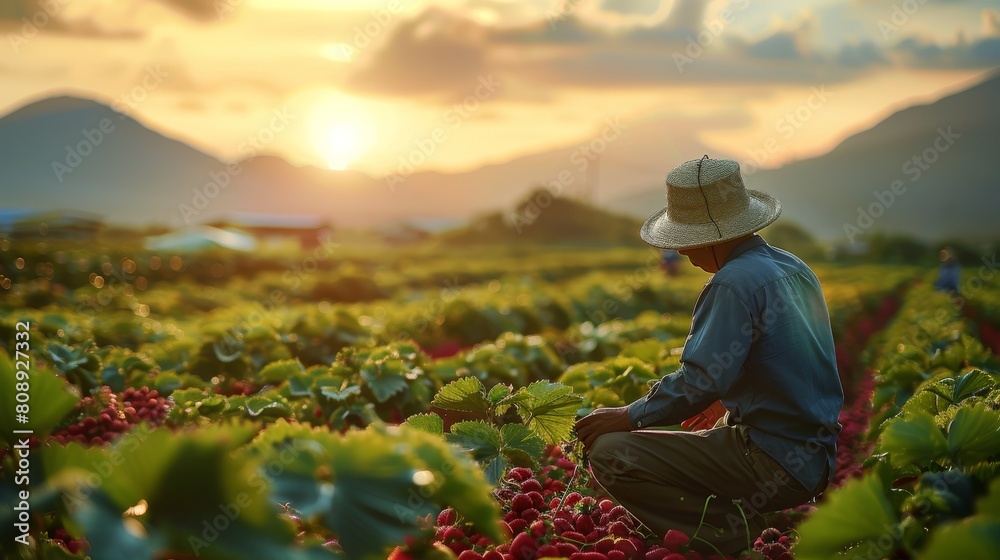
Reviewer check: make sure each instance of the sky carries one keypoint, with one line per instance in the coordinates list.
(364, 83)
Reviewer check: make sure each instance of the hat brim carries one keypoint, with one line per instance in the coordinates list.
(660, 231)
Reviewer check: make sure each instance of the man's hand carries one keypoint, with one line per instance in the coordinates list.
(705, 419)
(603, 421)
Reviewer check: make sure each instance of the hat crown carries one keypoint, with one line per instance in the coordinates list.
(713, 192)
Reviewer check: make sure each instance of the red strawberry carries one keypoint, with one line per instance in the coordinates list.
(537, 499)
(547, 551)
(537, 529)
(447, 517)
(606, 505)
(520, 474)
(521, 502)
(617, 555)
(531, 485)
(770, 535)
(628, 547)
(492, 555)
(675, 539)
(470, 555)
(584, 524)
(524, 547)
(567, 549)
(453, 534)
(518, 525)
(530, 514)
(658, 554)
(618, 529)
(574, 537)
(604, 546)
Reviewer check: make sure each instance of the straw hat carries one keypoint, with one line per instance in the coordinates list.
(707, 203)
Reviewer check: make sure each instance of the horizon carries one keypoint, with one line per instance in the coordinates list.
(373, 87)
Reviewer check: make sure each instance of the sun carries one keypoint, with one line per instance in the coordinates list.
(341, 132)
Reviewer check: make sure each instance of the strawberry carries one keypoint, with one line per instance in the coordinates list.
(605, 546)
(447, 517)
(453, 534)
(470, 555)
(530, 514)
(520, 474)
(524, 547)
(566, 549)
(531, 485)
(674, 540)
(618, 529)
(521, 502)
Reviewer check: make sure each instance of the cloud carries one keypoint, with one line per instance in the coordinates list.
(859, 55)
(115, 20)
(921, 53)
(435, 52)
(782, 45)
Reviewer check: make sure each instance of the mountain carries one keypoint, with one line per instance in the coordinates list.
(66, 152)
(543, 218)
(939, 158)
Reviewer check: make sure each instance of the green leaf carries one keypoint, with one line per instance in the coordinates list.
(974, 434)
(499, 392)
(383, 384)
(269, 407)
(478, 438)
(300, 386)
(338, 395)
(549, 410)
(49, 400)
(464, 394)
(495, 469)
(110, 534)
(970, 384)
(428, 422)
(277, 372)
(520, 445)
(857, 512)
(975, 537)
(913, 439)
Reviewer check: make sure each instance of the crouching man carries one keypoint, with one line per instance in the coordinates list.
(758, 381)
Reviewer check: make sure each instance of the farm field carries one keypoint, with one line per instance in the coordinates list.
(350, 402)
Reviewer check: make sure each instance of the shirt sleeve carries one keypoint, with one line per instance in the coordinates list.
(711, 362)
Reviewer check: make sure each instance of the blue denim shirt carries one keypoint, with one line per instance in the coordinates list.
(760, 342)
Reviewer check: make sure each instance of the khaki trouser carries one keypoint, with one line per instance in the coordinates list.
(664, 478)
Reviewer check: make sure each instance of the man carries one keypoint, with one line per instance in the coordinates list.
(761, 343)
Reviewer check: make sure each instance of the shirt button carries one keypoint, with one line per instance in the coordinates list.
(638, 424)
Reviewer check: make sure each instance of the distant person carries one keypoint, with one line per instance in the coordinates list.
(758, 383)
(948, 274)
(669, 263)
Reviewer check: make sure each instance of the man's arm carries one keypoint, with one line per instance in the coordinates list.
(713, 358)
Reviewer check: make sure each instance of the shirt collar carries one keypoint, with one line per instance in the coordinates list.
(755, 241)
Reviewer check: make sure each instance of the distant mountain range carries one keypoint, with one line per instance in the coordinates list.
(73, 153)
(929, 171)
